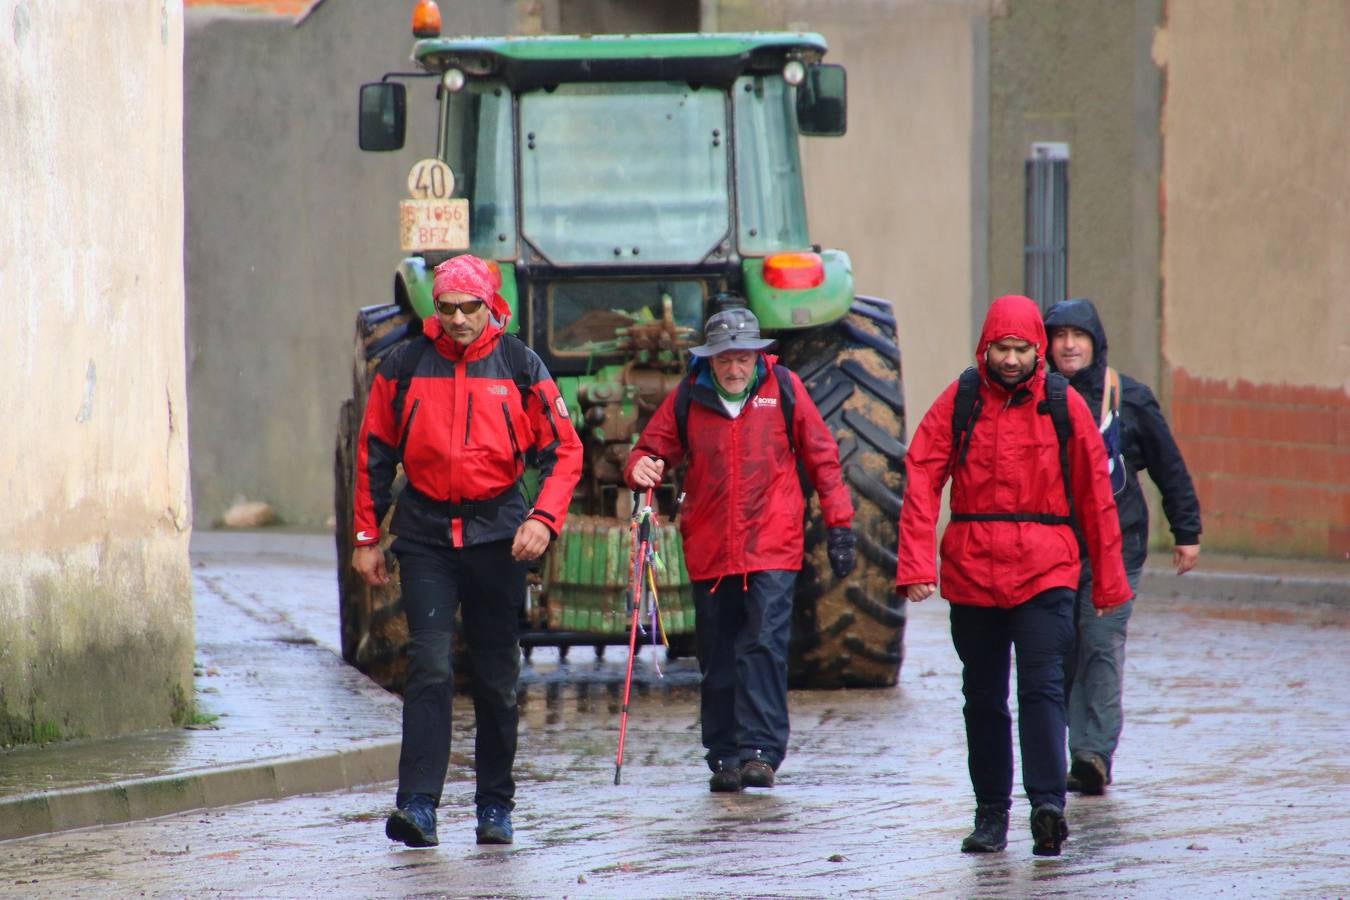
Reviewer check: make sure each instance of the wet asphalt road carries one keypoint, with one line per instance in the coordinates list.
(1231, 780)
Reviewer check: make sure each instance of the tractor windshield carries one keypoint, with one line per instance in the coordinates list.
(624, 172)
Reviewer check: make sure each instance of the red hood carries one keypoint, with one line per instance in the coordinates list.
(1012, 316)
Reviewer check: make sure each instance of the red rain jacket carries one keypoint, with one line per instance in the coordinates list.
(1012, 465)
(463, 431)
(743, 505)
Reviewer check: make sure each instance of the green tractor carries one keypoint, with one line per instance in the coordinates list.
(626, 187)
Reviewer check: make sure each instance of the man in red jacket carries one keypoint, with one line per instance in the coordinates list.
(459, 407)
(1010, 562)
(741, 524)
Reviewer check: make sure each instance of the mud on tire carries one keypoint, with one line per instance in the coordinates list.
(374, 631)
(850, 632)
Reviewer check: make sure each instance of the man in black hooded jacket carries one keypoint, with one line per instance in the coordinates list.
(1137, 438)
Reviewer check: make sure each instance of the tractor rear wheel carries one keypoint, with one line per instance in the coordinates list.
(374, 630)
(849, 632)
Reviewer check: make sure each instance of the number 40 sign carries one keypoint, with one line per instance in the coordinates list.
(433, 220)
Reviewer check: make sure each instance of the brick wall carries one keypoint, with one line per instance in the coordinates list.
(1271, 464)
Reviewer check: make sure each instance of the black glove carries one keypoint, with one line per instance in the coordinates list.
(840, 548)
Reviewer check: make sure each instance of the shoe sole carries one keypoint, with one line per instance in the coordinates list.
(1048, 831)
(404, 830)
(725, 787)
(969, 846)
(1090, 779)
(494, 837)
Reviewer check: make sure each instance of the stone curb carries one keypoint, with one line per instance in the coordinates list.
(1246, 588)
(364, 762)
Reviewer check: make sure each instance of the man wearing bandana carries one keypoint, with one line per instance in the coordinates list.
(460, 406)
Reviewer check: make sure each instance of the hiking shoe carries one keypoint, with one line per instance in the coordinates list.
(991, 829)
(726, 779)
(1048, 830)
(757, 774)
(413, 823)
(1089, 770)
(494, 825)
(1072, 784)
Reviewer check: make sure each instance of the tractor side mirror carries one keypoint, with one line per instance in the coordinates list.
(822, 101)
(383, 116)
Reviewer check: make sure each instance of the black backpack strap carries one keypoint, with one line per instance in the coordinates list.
(682, 400)
(518, 361)
(964, 413)
(1056, 405)
(407, 361)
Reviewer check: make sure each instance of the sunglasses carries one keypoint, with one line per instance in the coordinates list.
(468, 307)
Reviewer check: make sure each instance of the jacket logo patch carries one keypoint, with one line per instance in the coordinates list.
(498, 389)
(764, 401)
(561, 406)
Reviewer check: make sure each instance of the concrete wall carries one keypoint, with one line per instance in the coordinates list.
(1080, 72)
(1256, 267)
(95, 589)
(290, 229)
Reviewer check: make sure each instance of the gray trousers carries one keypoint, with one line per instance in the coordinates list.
(1095, 673)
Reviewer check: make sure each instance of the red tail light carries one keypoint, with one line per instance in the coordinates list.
(794, 271)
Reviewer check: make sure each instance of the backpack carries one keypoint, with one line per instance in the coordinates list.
(787, 401)
(967, 409)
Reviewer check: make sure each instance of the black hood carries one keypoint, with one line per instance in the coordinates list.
(1081, 314)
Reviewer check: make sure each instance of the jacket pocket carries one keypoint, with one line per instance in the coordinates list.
(511, 431)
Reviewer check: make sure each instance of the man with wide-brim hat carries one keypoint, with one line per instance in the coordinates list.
(741, 423)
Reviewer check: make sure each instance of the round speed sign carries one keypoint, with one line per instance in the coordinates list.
(430, 179)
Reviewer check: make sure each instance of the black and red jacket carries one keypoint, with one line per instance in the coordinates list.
(462, 432)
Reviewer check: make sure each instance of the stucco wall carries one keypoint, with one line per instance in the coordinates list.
(1080, 72)
(897, 190)
(290, 230)
(1256, 268)
(95, 590)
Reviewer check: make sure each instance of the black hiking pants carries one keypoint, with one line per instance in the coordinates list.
(742, 631)
(1042, 633)
(488, 587)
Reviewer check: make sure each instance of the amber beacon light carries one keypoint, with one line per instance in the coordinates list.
(426, 19)
(793, 270)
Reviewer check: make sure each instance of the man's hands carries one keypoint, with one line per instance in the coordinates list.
(916, 593)
(1185, 556)
(647, 472)
(531, 540)
(839, 547)
(368, 561)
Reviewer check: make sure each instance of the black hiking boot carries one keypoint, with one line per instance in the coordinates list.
(991, 829)
(757, 773)
(494, 825)
(726, 779)
(414, 823)
(1048, 830)
(1089, 771)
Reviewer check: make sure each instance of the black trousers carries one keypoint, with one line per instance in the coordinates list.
(1041, 631)
(488, 588)
(742, 633)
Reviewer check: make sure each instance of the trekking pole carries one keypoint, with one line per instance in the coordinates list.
(635, 593)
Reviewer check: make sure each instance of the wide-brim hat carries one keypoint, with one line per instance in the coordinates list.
(730, 329)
